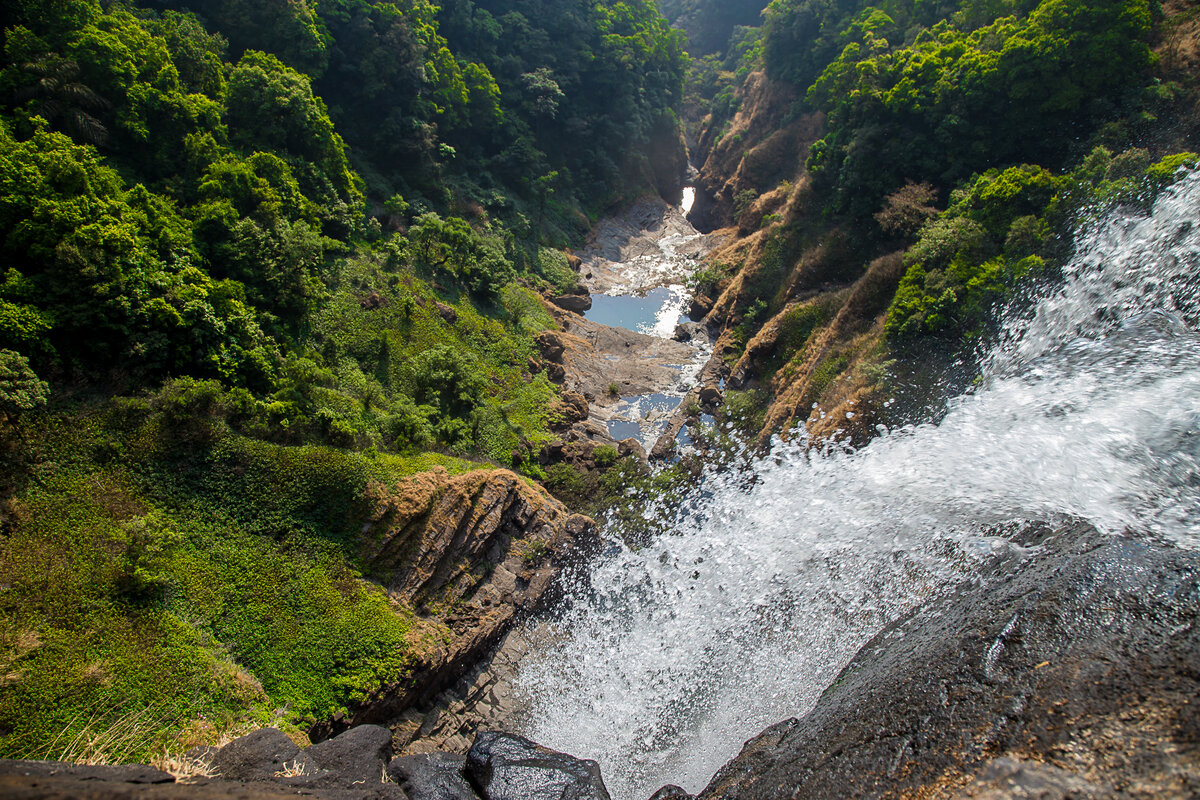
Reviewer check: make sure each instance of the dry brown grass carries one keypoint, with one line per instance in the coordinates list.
(103, 740)
(292, 769)
(184, 768)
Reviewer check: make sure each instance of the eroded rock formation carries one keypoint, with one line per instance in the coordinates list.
(471, 552)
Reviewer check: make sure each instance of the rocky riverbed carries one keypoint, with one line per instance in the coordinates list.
(627, 353)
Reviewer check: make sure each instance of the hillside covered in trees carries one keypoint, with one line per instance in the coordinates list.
(895, 175)
(258, 258)
(263, 262)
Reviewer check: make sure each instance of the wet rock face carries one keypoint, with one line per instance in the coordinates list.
(504, 766)
(1069, 674)
(1010, 779)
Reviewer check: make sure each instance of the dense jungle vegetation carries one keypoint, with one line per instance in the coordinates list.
(257, 256)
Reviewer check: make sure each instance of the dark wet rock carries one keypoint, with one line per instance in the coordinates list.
(140, 774)
(504, 766)
(710, 398)
(690, 331)
(446, 312)
(664, 447)
(259, 756)
(358, 755)
(700, 306)
(432, 776)
(1081, 653)
(1012, 779)
(671, 792)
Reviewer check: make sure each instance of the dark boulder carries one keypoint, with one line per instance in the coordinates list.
(699, 307)
(504, 766)
(358, 755)
(689, 331)
(671, 792)
(265, 754)
(432, 776)
(446, 312)
(577, 303)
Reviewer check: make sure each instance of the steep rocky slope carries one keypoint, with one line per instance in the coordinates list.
(799, 293)
(470, 554)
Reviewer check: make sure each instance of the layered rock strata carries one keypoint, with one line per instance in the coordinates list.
(473, 553)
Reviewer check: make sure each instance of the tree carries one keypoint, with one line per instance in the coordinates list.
(55, 92)
(20, 388)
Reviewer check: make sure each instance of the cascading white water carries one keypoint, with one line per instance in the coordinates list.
(767, 580)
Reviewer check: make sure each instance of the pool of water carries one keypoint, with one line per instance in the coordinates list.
(643, 417)
(655, 313)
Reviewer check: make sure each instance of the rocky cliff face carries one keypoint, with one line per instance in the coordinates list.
(799, 269)
(471, 553)
(760, 147)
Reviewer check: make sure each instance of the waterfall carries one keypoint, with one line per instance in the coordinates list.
(766, 580)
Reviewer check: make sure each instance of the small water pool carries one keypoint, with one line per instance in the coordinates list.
(656, 313)
(644, 417)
